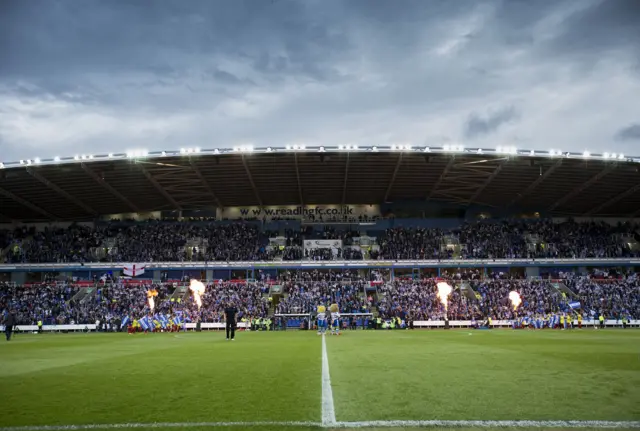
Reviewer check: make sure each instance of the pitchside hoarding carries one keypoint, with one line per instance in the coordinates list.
(316, 212)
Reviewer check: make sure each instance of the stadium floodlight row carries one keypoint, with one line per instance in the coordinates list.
(248, 149)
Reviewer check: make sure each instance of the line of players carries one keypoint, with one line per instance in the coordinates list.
(552, 321)
(323, 319)
(153, 324)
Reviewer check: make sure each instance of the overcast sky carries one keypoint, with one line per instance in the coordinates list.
(90, 76)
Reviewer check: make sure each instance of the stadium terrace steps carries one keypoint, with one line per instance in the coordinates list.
(84, 295)
(5, 250)
(561, 287)
(179, 294)
(467, 290)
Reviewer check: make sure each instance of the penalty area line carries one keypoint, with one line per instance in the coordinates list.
(343, 425)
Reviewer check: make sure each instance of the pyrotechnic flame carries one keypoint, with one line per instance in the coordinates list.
(150, 295)
(444, 290)
(198, 290)
(515, 299)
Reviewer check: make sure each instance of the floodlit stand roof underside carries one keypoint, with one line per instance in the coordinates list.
(85, 189)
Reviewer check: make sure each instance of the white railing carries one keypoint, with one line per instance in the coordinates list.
(508, 323)
(321, 264)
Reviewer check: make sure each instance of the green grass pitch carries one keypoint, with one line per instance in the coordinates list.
(78, 379)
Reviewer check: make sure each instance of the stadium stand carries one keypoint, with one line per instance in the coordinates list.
(185, 241)
(260, 247)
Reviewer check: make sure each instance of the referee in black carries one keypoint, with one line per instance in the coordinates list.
(230, 319)
(9, 323)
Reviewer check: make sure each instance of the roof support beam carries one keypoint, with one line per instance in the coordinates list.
(536, 183)
(61, 192)
(441, 178)
(6, 218)
(393, 178)
(635, 214)
(205, 183)
(613, 200)
(591, 181)
(295, 160)
(27, 204)
(346, 178)
(486, 183)
(159, 188)
(108, 187)
(253, 184)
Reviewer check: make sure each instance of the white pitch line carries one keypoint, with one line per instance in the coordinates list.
(489, 424)
(343, 425)
(160, 425)
(328, 409)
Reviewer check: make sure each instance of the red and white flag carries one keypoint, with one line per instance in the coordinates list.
(134, 269)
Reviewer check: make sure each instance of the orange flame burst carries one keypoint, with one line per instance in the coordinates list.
(515, 299)
(198, 290)
(444, 290)
(150, 295)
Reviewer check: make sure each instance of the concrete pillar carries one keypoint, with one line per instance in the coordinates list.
(18, 277)
(532, 271)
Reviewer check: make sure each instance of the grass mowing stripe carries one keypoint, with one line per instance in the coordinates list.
(342, 425)
(328, 409)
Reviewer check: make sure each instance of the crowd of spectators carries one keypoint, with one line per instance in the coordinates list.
(242, 241)
(304, 297)
(411, 243)
(511, 239)
(56, 302)
(616, 299)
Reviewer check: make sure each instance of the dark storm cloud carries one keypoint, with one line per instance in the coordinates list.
(603, 26)
(76, 75)
(478, 125)
(629, 133)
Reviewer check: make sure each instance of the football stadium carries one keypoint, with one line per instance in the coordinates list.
(319, 215)
(359, 287)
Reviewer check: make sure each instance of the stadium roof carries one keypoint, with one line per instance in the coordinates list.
(552, 182)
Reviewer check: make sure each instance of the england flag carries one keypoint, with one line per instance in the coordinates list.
(134, 270)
